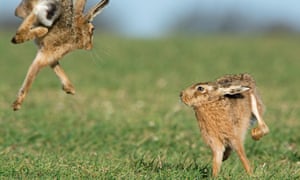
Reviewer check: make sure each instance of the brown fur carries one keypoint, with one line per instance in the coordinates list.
(73, 30)
(30, 28)
(223, 109)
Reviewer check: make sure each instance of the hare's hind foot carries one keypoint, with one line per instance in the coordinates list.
(68, 88)
(16, 105)
(18, 102)
(259, 132)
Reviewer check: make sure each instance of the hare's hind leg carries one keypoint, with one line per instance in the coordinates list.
(38, 63)
(26, 31)
(238, 146)
(262, 128)
(66, 83)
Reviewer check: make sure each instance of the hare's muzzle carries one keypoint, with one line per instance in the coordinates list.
(183, 97)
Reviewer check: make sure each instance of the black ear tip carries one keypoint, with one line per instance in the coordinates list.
(105, 2)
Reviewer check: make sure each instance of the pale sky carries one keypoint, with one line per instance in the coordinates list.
(153, 17)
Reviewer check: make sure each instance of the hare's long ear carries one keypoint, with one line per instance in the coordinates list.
(79, 6)
(233, 89)
(94, 11)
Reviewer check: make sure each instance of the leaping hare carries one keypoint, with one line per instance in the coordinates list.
(224, 110)
(58, 27)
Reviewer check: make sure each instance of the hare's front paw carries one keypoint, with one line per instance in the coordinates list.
(17, 39)
(21, 37)
(24, 35)
(40, 31)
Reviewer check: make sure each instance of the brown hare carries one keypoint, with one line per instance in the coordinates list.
(224, 110)
(58, 27)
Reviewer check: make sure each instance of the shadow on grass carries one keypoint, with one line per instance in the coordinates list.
(157, 165)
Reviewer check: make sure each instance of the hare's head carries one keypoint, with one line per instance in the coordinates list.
(199, 93)
(85, 27)
(203, 93)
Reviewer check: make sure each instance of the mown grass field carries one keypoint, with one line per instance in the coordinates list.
(126, 120)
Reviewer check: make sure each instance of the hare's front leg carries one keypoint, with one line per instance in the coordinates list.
(217, 151)
(66, 83)
(38, 63)
(26, 31)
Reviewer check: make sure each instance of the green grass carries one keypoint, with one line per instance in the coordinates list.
(126, 121)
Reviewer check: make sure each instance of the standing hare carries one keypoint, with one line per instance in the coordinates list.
(58, 27)
(224, 110)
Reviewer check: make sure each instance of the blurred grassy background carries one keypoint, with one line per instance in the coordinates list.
(126, 121)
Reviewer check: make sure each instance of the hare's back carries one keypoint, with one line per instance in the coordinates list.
(66, 19)
(61, 32)
(236, 79)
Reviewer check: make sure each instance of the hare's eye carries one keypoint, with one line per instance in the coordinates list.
(200, 88)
